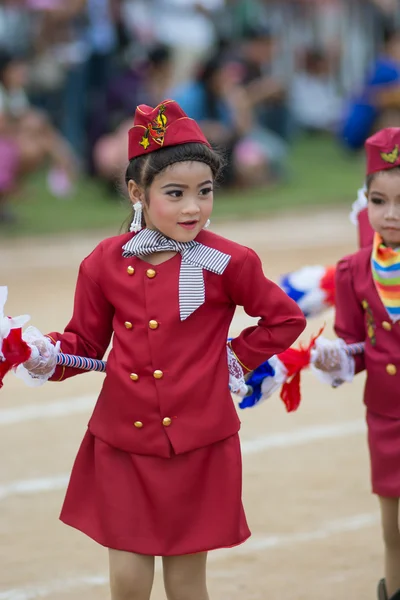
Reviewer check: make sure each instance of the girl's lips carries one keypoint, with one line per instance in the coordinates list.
(188, 224)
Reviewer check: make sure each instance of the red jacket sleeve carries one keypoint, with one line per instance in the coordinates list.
(349, 318)
(89, 331)
(281, 320)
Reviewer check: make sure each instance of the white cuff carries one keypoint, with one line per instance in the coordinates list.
(237, 383)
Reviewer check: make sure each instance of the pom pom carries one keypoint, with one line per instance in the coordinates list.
(255, 382)
(312, 288)
(13, 350)
(358, 205)
(295, 360)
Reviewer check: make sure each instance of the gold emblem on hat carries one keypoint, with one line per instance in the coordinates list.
(156, 129)
(391, 157)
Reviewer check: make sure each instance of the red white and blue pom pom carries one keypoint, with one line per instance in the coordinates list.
(263, 382)
(312, 288)
(281, 371)
(13, 350)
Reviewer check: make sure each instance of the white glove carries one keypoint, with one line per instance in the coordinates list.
(331, 363)
(43, 361)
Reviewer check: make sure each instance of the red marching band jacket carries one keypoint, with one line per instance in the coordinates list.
(166, 385)
(360, 315)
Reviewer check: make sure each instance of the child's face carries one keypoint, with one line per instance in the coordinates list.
(180, 200)
(384, 207)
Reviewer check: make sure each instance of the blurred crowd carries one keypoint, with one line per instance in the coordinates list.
(254, 73)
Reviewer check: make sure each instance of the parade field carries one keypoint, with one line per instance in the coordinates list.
(315, 525)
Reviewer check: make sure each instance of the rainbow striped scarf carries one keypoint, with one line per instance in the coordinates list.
(385, 266)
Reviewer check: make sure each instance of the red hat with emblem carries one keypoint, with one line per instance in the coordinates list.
(383, 150)
(162, 126)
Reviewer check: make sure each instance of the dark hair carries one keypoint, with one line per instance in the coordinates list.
(370, 178)
(145, 168)
(257, 32)
(313, 57)
(159, 54)
(6, 59)
(390, 33)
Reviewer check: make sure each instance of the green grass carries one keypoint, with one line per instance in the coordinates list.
(320, 174)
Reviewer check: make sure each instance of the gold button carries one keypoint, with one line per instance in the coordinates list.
(166, 422)
(134, 376)
(364, 304)
(150, 273)
(153, 324)
(386, 326)
(391, 369)
(138, 424)
(128, 325)
(130, 270)
(158, 374)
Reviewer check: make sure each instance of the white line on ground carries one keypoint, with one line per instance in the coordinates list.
(255, 544)
(297, 437)
(305, 435)
(34, 486)
(60, 408)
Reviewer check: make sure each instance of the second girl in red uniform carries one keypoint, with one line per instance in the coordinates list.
(368, 308)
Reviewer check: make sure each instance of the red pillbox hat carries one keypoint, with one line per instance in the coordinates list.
(162, 126)
(383, 150)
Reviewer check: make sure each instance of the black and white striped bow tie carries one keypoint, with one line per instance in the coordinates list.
(195, 258)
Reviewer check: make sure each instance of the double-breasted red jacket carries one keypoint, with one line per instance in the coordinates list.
(166, 384)
(360, 315)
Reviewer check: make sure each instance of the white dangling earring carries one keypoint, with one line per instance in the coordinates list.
(136, 224)
(207, 224)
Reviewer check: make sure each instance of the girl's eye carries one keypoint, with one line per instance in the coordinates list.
(377, 200)
(175, 193)
(206, 191)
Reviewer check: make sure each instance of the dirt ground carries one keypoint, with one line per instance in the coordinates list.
(307, 495)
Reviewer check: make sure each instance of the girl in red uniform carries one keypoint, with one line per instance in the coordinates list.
(159, 470)
(368, 308)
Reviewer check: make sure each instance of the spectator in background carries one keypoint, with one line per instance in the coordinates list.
(27, 138)
(378, 104)
(315, 103)
(16, 32)
(102, 37)
(81, 36)
(233, 17)
(266, 93)
(219, 103)
(186, 26)
(144, 83)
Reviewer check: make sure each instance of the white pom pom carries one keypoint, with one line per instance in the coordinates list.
(358, 205)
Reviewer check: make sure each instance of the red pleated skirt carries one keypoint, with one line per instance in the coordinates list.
(185, 504)
(384, 448)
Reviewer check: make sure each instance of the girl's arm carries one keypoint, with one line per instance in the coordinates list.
(349, 318)
(330, 361)
(281, 321)
(89, 331)
(87, 334)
